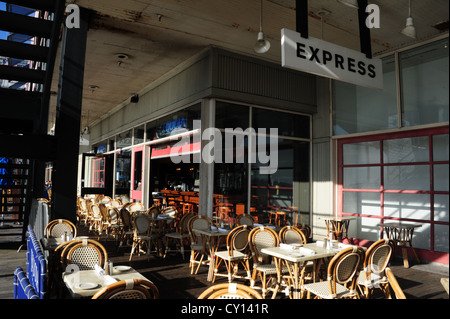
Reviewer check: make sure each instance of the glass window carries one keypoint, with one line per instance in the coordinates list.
(362, 178)
(440, 147)
(407, 177)
(414, 206)
(139, 134)
(289, 186)
(425, 84)
(123, 169)
(230, 115)
(359, 109)
(362, 153)
(406, 150)
(441, 174)
(441, 208)
(292, 125)
(173, 124)
(124, 139)
(362, 203)
(441, 238)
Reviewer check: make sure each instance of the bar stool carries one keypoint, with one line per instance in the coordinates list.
(187, 208)
(280, 218)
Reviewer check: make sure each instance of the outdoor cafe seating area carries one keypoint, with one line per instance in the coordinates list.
(245, 260)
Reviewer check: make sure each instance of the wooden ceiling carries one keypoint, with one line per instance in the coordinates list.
(132, 43)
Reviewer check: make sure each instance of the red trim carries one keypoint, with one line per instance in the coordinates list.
(137, 194)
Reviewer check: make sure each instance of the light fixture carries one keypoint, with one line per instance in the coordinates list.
(350, 3)
(409, 30)
(262, 45)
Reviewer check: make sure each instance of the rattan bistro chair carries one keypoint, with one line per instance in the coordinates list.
(292, 235)
(198, 222)
(245, 219)
(142, 234)
(180, 235)
(394, 284)
(58, 227)
(238, 252)
(259, 238)
(230, 291)
(129, 289)
(85, 253)
(373, 275)
(343, 271)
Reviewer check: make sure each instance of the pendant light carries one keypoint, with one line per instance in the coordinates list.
(409, 30)
(262, 45)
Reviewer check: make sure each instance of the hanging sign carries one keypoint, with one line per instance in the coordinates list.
(329, 60)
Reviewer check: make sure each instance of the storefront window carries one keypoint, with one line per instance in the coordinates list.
(358, 109)
(230, 115)
(287, 187)
(422, 95)
(124, 139)
(405, 182)
(289, 125)
(138, 133)
(173, 124)
(123, 169)
(425, 83)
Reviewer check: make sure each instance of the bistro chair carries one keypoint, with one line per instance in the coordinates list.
(95, 217)
(245, 219)
(238, 252)
(142, 234)
(373, 275)
(116, 203)
(197, 245)
(129, 289)
(126, 231)
(259, 238)
(306, 229)
(82, 210)
(105, 200)
(115, 226)
(105, 223)
(399, 294)
(56, 269)
(58, 227)
(230, 291)
(180, 235)
(153, 211)
(137, 206)
(292, 235)
(342, 274)
(85, 253)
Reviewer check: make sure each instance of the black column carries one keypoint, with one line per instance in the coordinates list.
(302, 17)
(68, 119)
(364, 31)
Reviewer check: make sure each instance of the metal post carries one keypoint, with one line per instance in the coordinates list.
(364, 31)
(68, 119)
(302, 18)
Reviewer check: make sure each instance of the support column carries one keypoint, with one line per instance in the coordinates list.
(68, 119)
(206, 192)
